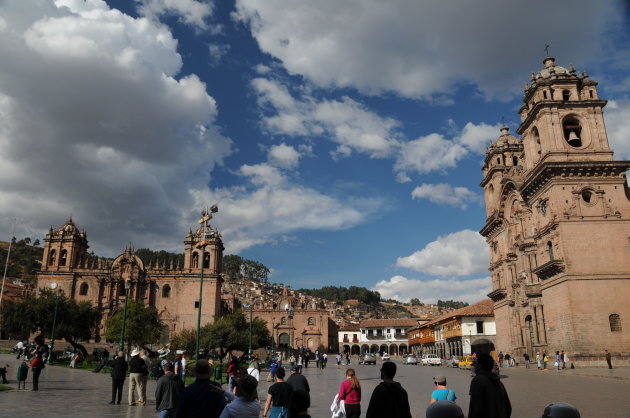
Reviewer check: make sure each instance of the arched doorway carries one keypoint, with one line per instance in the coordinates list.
(356, 349)
(383, 349)
(402, 350)
(393, 350)
(482, 346)
(346, 348)
(374, 349)
(365, 348)
(283, 341)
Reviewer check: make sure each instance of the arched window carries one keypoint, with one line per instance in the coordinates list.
(83, 290)
(166, 291)
(514, 161)
(283, 321)
(311, 320)
(566, 95)
(206, 260)
(550, 250)
(572, 131)
(52, 257)
(615, 322)
(63, 258)
(545, 94)
(195, 260)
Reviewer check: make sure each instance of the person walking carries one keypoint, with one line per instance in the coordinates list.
(608, 359)
(273, 368)
(118, 375)
(558, 361)
(545, 360)
(389, 399)
(252, 370)
(324, 360)
(339, 360)
(538, 360)
(231, 372)
(526, 358)
(145, 373)
(441, 392)
(202, 398)
(298, 381)
(488, 397)
(278, 397)
(246, 404)
(564, 358)
(178, 368)
(168, 392)
(137, 368)
(501, 359)
(350, 394)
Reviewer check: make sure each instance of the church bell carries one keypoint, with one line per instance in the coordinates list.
(574, 140)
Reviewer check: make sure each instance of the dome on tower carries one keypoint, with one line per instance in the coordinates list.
(505, 140)
(552, 69)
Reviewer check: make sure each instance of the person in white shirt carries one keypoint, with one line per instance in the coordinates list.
(253, 371)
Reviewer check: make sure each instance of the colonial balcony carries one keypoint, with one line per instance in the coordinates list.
(355, 340)
(498, 294)
(426, 340)
(346, 340)
(549, 269)
(533, 291)
(451, 333)
(375, 337)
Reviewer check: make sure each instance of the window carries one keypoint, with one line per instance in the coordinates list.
(63, 258)
(166, 291)
(83, 290)
(543, 207)
(514, 161)
(572, 131)
(566, 95)
(311, 320)
(615, 323)
(195, 260)
(479, 327)
(283, 320)
(362, 331)
(52, 257)
(206, 260)
(545, 94)
(590, 93)
(379, 332)
(345, 336)
(550, 250)
(587, 195)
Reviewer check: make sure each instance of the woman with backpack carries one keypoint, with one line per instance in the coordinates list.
(441, 392)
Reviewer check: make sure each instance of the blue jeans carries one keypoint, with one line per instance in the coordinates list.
(279, 412)
(168, 413)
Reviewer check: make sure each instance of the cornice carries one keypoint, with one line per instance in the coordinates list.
(546, 104)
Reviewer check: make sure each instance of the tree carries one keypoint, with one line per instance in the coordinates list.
(231, 332)
(142, 324)
(232, 266)
(36, 242)
(451, 304)
(75, 320)
(415, 302)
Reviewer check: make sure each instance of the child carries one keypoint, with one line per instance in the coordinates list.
(22, 374)
(3, 374)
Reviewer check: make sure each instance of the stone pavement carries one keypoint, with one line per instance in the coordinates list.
(77, 393)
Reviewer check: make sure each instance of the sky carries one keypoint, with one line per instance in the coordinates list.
(342, 140)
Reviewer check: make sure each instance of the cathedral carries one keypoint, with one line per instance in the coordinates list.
(172, 289)
(558, 225)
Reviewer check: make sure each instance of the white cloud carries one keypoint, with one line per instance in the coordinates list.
(461, 253)
(217, 51)
(477, 137)
(346, 122)
(191, 12)
(445, 194)
(618, 126)
(275, 207)
(429, 153)
(420, 48)
(94, 123)
(283, 156)
(429, 291)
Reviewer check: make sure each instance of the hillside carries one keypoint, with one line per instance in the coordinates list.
(25, 259)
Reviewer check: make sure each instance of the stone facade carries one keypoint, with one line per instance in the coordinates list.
(558, 225)
(172, 289)
(295, 321)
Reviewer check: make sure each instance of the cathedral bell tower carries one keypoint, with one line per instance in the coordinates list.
(65, 249)
(558, 225)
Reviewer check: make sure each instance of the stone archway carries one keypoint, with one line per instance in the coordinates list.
(393, 350)
(383, 349)
(374, 349)
(355, 349)
(402, 349)
(346, 349)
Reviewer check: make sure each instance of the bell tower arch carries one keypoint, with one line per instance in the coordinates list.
(65, 249)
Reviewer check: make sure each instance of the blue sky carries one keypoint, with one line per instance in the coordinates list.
(342, 141)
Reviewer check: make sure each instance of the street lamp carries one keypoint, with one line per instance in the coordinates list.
(124, 322)
(206, 233)
(290, 315)
(53, 286)
(251, 307)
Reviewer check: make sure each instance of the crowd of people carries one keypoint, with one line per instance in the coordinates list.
(288, 396)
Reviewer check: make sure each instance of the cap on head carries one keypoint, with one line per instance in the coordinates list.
(135, 352)
(440, 379)
(560, 410)
(444, 409)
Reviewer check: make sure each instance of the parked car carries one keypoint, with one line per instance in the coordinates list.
(410, 359)
(453, 362)
(431, 360)
(368, 358)
(466, 362)
(385, 357)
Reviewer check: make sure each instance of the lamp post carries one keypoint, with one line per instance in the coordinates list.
(124, 322)
(251, 307)
(290, 315)
(53, 286)
(206, 233)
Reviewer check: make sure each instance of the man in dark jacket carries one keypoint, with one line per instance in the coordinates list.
(118, 374)
(202, 398)
(488, 397)
(168, 392)
(389, 399)
(298, 381)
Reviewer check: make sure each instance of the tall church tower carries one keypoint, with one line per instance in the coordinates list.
(558, 225)
(65, 249)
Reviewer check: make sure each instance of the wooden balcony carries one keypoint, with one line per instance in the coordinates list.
(451, 333)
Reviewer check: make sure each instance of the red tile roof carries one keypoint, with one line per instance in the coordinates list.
(483, 308)
(350, 327)
(404, 322)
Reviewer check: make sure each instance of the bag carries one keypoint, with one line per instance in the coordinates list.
(338, 408)
(269, 377)
(555, 364)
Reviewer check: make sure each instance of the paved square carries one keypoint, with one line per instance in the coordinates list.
(597, 393)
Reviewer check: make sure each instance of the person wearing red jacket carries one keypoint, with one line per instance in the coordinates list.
(37, 364)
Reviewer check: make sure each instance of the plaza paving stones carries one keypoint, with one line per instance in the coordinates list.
(597, 393)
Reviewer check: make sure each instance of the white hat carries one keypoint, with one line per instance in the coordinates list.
(135, 352)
